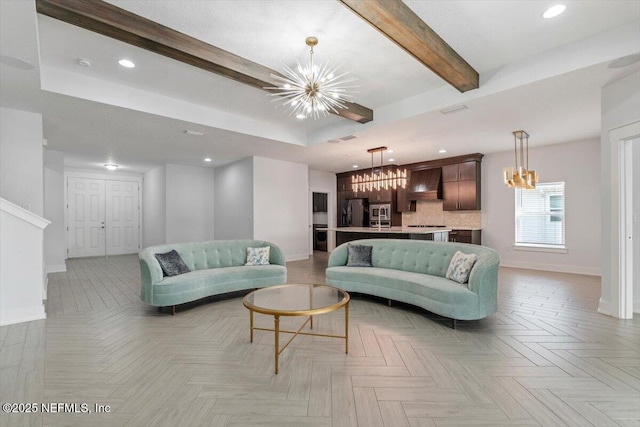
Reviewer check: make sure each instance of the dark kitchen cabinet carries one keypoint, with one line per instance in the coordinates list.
(466, 236)
(461, 186)
(382, 195)
(402, 203)
(319, 202)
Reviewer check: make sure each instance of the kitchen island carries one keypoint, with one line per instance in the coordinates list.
(347, 234)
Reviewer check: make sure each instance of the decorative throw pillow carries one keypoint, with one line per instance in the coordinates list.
(258, 256)
(460, 267)
(359, 256)
(172, 264)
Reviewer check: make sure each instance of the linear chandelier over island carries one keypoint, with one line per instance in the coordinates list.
(394, 177)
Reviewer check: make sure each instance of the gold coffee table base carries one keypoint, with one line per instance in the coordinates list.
(296, 300)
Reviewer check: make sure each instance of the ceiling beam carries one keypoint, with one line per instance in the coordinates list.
(395, 20)
(109, 20)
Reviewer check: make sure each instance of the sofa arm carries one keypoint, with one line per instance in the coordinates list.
(275, 255)
(483, 280)
(150, 273)
(339, 256)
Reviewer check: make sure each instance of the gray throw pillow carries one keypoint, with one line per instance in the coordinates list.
(359, 256)
(172, 264)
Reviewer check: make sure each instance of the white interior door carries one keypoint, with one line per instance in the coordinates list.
(85, 217)
(122, 219)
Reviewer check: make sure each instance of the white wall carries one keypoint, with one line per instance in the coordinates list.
(21, 159)
(154, 215)
(55, 247)
(281, 205)
(189, 204)
(325, 182)
(21, 265)
(620, 106)
(575, 163)
(234, 200)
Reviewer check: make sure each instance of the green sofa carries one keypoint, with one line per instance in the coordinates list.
(413, 271)
(217, 267)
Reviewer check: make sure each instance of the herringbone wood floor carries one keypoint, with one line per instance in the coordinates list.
(546, 358)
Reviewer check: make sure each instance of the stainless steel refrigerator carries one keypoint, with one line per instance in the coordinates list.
(354, 213)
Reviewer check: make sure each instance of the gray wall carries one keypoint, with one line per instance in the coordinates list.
(582, 192)
(636, 225)
(21, 159)
(55, 234)
(281, 205)
(190, 204)
(620, 106)
(154, 207)
(233, 208)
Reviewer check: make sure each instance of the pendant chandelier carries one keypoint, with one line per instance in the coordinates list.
(312, 89)
(392, 178)
(520, 176)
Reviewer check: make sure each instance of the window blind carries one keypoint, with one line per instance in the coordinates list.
(540, 218)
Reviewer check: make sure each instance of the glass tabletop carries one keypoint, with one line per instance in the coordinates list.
(296, 300)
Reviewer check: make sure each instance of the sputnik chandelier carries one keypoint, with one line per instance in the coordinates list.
(312, 90)
(520, 176)
(382, 180)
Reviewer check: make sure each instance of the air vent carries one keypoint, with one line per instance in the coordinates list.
(333, 141)
(348, 137)
(193, 132)
(453, 109)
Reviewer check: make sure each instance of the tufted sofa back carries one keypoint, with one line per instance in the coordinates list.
(417, 256)
(216, 253)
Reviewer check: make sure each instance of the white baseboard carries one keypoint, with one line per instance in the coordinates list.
(60, 268)
(296, 257)
(589, 271)
(604, 307)
(13, 316)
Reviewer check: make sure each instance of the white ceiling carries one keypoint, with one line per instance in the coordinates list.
(541, 75)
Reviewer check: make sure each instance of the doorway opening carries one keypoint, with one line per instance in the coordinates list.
(320, 215)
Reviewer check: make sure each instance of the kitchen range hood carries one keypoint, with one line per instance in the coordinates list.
(425, 184)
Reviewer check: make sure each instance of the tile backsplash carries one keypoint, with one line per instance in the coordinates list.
(431, 213)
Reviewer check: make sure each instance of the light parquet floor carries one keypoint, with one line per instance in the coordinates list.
(547, 358)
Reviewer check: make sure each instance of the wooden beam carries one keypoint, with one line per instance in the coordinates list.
(395, 20)
(111, 21)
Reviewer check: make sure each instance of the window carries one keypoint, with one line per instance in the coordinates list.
(540, 216)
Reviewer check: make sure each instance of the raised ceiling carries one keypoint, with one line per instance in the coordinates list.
(541, 75)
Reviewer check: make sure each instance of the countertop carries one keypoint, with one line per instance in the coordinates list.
(393, 230)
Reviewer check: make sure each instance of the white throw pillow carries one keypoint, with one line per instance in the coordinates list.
(460, 267)
(258, 256)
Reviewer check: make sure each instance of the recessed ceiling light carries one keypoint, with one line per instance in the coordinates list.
(126, 63)
(84, 62)
(554, 11)
(207, 159)
(111, 166)
(193, 132)
(392, 160)
(442, 151)
(300, 116)
(389, 151)
(15, 62)
(355, 166)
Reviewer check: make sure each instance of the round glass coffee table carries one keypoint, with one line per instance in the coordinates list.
(296, 300)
